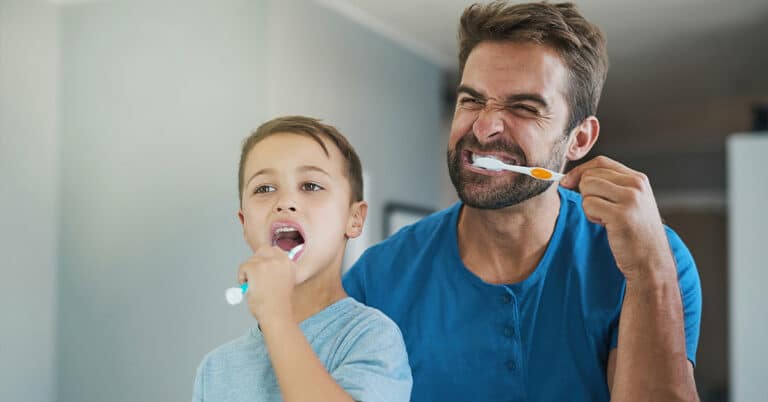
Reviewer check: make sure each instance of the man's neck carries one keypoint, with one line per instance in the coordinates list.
(504, 246)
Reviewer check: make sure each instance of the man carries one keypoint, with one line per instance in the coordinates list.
(524, 290)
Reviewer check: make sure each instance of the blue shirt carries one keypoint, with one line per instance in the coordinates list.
(546, 338)
(361, 348)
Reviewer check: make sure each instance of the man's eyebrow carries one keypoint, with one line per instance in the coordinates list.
(469, 91)
(529, 97)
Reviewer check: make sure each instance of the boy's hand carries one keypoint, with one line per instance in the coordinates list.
(271, 276)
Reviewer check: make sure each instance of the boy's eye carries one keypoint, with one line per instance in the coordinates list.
(311, 187)
(263, 189)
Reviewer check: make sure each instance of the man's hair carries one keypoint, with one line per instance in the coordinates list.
(315, 129)
(580, 44)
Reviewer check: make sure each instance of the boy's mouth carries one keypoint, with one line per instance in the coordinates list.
(287, 235)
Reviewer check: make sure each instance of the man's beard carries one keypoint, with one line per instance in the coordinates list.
(477, 191)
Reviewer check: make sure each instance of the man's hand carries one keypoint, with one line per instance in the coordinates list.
(271, 276)
(621, 199)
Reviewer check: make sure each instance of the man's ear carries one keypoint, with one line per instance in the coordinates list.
(358, 213)
(583, 138)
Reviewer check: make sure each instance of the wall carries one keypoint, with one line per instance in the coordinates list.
(156, 97)
(28, 199)
(747, 192)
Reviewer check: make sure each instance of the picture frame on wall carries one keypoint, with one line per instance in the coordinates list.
(398, 215)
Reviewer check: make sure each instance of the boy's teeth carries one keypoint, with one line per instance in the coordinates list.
(285, 229)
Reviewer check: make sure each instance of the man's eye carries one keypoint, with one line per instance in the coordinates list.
(311, 187)
(263, 189)
(526, 108)
(471, 103)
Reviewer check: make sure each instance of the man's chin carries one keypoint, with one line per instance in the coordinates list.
(482, 197)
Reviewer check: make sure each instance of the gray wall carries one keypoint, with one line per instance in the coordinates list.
(156, 97)
(748, 219)
(28, 196)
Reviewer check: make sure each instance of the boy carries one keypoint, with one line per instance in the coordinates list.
(300, 183)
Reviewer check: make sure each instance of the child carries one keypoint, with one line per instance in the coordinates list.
(300, 183)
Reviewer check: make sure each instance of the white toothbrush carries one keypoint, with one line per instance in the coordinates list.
(535, 172)
(235, 295)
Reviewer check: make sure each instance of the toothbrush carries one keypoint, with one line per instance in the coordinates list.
(235, 295)
(535, 172)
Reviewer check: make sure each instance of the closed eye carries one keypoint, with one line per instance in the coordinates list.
(471, 103)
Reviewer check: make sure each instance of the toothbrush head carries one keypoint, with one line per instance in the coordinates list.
(488, 163)
(234, 295)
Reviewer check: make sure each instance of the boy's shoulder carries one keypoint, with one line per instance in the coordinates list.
(233, 350)
(354, 319)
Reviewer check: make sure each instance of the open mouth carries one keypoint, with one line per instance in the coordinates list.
(286, 236)
(470, 157)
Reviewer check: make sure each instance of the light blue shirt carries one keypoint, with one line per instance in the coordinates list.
(361, 348)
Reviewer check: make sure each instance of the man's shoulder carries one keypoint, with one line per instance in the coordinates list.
(418, 234)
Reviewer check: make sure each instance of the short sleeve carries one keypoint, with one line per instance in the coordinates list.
(690, 291)
(197, 391)
(375, 366)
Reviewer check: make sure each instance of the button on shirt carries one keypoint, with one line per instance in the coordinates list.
(546, 338)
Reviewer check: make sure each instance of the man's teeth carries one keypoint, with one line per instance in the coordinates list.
(476, 156)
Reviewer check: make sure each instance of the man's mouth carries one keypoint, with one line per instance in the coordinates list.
(287, 235)
(469, 157)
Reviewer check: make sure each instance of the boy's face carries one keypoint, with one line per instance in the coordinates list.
(294, 194)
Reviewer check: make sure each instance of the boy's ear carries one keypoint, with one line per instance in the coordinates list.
(583, 138)
(241, 217)
(358, 212)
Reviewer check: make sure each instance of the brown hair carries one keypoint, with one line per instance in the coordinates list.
(580, 43)
(315, 129)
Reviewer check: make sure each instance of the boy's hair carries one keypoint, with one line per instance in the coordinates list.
(315, 129)
(580, 44)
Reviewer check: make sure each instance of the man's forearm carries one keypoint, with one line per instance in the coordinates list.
(299, 372)
(651, 359)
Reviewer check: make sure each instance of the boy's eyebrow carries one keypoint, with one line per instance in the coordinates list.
(305, 168)
(311, 168)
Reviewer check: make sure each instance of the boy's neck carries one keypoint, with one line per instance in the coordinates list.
(317, 293)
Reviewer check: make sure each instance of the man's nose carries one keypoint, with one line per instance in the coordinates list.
(488, 125)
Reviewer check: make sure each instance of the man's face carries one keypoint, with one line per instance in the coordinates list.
(511, 106)
(294, 194)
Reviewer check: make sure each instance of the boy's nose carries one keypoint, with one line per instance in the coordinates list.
(281, 208)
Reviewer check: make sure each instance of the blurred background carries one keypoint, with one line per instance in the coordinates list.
(120, 127)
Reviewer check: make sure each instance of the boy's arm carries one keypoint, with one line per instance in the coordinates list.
(301, 375)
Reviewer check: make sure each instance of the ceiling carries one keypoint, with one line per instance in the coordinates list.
(428, 27)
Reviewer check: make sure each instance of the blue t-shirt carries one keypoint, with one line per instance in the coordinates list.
(546, 338)
(361, 348)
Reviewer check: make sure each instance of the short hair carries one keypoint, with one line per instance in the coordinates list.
(315, 129)
(580, 44)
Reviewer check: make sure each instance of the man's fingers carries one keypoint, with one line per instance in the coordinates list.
(597, 209)
(573, 178)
